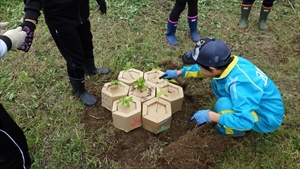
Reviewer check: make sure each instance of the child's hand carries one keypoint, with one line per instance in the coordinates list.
(169, 74)
(201, 116)
(17, 37)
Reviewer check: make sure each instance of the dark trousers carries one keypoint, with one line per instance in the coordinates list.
(266, 3)
(179, 7)
(76, 46)
(13, 144)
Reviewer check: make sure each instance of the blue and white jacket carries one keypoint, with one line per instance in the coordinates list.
(256, 100)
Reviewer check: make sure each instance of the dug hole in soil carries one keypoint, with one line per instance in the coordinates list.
(183, 145)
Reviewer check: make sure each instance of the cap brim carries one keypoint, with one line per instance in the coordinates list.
(188, 59)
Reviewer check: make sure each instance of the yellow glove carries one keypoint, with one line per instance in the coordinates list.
(17, 37)
(3, 25)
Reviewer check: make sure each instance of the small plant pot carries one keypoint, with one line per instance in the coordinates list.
(127, 118)
(110, 93)
(152, 77)
(156, 115)
(130, 76)
(174, 95)
(144, 94)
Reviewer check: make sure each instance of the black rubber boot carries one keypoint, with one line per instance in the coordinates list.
(78, 89)
(90, 69)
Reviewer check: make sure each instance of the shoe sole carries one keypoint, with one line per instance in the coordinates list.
(174, 46)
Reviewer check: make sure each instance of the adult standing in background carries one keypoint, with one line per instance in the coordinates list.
(246, 6)
(69, 26)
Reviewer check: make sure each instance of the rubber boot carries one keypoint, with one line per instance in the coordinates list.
(264, 12)
(90, 69)
(170, 35)
(193, 20)
(245, 11)
(78, 89)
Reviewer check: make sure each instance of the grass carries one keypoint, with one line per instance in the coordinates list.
(35, 90)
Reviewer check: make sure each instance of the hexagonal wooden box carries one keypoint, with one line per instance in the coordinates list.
(130, 76)
(156, 115)
(110, 93)
(173, 94)
(144, 94)
(152, 77)
(127, 118)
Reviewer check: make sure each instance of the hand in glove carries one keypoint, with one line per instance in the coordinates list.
(17, 37)
(201, 116)
(3, 25)
(169, 74)
(29, 28)
(102, 6)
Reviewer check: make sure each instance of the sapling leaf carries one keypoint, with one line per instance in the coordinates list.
(116, 83)
(125, 101)
(158, 95)
(140, 83)
(161, 92)
(173, 81)
(156, 69)
(129, 99)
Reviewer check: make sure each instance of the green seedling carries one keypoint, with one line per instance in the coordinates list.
(159, 94)
(115, 84)
(125, 101)
(156, 69)
(172, 81)
(140, 84)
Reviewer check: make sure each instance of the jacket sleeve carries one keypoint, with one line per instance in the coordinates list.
(32, 9)
(192, 71)
(4, 45)
(245, 98)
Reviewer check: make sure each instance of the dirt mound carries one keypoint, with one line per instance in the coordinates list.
(195, 149)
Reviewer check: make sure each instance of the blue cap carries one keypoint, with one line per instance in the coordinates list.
(210, 52)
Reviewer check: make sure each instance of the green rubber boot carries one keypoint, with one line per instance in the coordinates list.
(264, 12)
(245, 11)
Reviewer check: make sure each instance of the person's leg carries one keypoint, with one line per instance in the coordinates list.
(173, 22)
(71, 48)
(246, 6)
(224, 106)
(192, 17)
(86, 37)
(14, 149)
(264, 12)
